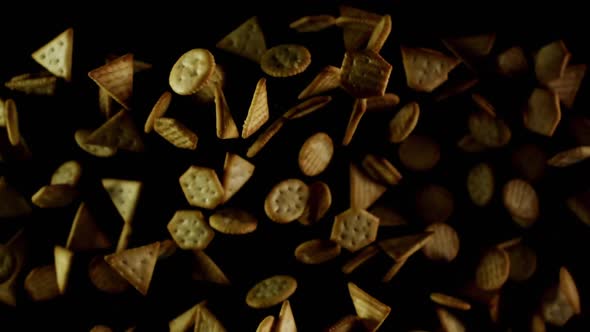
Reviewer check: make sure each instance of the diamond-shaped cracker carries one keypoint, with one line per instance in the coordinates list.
(54, 196)
(247, 40)
(205, 321)
(63, 264)
(120, 132)
(236, 172)
(190, 230)
(426, 69)
(116, 77)
(205, 269)
(358, 27)
(12, 203)
(84, 233)
(176, 133)
(551, 60)
(354, 229)
(125, 196)
(543, 112)
(184, 321)
(258, 111)
(364, 191)
(286, 321)
(56, 56)
(41, 283)
(34, 85)
(327, 79)
(358, 111)
(201, 187)
(364, 74)
(566, 87)
(136, 265)
(224, 122)
(402, 247)
(372, 311)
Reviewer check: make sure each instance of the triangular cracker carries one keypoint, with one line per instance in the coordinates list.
(236, 172)
(286, 321)
(125, 195)
(426, 69)
(247, 40)
(116, 77)
(205, 269)
(54, 196)
(184, 321)
(327, 79)
(136, 265)
(85, 234)
(120, 132)
(258, 111)
(56, 56)
(225, 124)
(63, 265)
(359, 109)
(364, 191)
(372, 311)
(357, 33)
(12, 203)
(205, 321)
(400, 248)
(467, 47)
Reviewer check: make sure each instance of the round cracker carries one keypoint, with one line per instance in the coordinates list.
(521, 201)
(315, 154)
(271, 291)
(523, 262)
(419, 153)
(404, 122)
(67, 173)
(233, 221)
(286, 201)
(285, 60)
(192, 71)
(158, 111)
(556, 308)
(493, 270)
(318, 203)
(104, 278)
(11, 118)
(434, 204)
(488, 130)
(317, 251)
(443, 245)
(7, 263)
(96, 150)
(480, 184)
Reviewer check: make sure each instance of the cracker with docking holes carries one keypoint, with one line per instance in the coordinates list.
(354, 229)
(286, 201)
(190, 230)
(202, 187)
(236, 172)
(271, 291)
(426, 69)
(247, 40)
(285, 60)
(364, 74)
(192, 71)
(488, 130)
(125, 196)
(56, 55)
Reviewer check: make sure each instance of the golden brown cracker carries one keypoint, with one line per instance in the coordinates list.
(317, 251)
(190, 230)
(286, 201)
(285, 60)
(271, 291)
(202, 187)
(354, 229)
(315, 154)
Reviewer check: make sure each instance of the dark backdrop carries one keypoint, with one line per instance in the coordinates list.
(159, 33)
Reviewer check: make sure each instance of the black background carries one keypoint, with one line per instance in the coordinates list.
(159, 33)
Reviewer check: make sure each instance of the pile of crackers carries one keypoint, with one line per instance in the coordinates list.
(356, 232)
